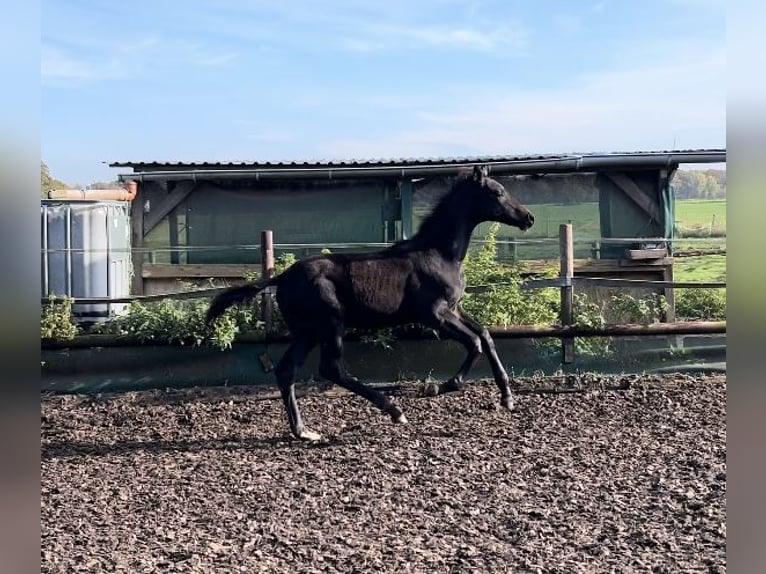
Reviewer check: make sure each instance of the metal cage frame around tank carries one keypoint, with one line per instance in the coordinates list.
(86, 253)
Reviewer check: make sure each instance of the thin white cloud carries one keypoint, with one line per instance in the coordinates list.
(461, 38)
(58, 66)
(380, 37)
(360, 45)
(195, 54)
(655, 107)
(95, 61)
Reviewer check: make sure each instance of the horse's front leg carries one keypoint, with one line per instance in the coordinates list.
(449, 322)
(488, 346)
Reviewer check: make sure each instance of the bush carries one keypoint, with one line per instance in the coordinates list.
(181, 322)
(56, 322)
(625, 308)
(502, 302)
(693, 304)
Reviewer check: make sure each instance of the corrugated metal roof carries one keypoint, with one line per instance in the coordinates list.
(392, 162)
(417, 167)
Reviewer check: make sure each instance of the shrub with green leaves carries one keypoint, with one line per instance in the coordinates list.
(625, 308)
(56, 321)
(501, 302)
(281, 263)
(694, 304)
(181, 322)
(587, 313)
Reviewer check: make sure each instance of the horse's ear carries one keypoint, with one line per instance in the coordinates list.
(479, 172)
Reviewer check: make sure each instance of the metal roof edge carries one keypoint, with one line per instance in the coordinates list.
(551, 163)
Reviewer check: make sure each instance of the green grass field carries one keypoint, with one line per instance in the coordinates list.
(704, 268)
(694, 219)
(700, 218)
(701, 214)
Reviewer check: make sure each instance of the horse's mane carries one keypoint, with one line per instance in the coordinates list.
(431, 226)
(444, 203)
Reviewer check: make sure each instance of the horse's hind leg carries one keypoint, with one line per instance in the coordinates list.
(449, 322)
(285, 371)
(488, 346)
(331, 367)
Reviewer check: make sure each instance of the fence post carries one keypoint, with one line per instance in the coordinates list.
(566, 249)
(267, 270)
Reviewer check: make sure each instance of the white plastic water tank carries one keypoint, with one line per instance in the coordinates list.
(86, 253)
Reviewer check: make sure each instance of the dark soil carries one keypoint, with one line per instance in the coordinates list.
(592, 474)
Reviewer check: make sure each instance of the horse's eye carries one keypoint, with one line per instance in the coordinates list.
(499, 191)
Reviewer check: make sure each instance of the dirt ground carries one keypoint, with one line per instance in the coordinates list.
(592, 474)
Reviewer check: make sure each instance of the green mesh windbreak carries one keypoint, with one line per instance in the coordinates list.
(302, 213)
(621, 216)
(552, 199)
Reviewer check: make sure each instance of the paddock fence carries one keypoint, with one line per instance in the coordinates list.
(567, 331)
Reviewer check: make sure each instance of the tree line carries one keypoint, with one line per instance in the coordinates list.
(700, 184)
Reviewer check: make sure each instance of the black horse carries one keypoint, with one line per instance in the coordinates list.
(417, 280)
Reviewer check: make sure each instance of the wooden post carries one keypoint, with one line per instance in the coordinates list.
(137, 239)
(267, 270)
(566, 247)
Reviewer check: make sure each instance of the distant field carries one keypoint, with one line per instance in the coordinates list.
(702, 215)
(705, 268)
(700, 218)
(691, 214)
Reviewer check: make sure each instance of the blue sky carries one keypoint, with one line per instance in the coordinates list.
(251, 80)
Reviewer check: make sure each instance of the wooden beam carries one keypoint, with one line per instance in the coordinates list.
(670, 296)
(638, 195)
(168, 204)
(532, 267)
(630, 263)
(647, 254)
(137, 242)
(198, 270)
(566, 273)
(518, 332)
(536, 266)
(267, 271)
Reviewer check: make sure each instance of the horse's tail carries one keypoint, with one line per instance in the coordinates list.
(235, 295)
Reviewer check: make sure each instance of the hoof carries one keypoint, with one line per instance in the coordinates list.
(507, 403)
(398, 417)
(431, 390)
(451, 386)
(308, 435)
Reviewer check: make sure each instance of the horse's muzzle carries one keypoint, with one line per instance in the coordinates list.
(528, 221)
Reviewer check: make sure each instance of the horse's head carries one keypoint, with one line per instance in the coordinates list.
(490, 201)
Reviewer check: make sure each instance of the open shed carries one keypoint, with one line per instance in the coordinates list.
(195, 221)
